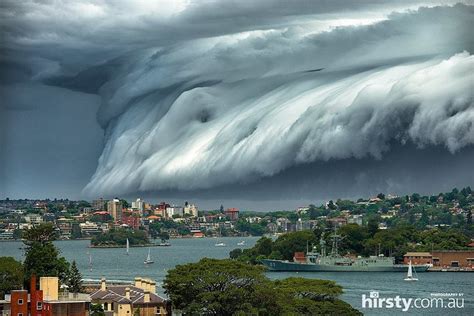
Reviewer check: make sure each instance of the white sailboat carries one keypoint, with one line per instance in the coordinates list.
(220, 243)
(148, 258)
(128, 247)
(410, 276)
(241, 243)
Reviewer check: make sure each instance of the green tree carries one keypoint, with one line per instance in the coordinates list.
(11, 275)
(372, 226)
(353, 238)
(74, 281)
(164, 236)
(288, 244)
(41, 256)
(235, 253)
(228, 287)
(97, 310)
(43, 233)
(213, 287)
(300, 296)
(263, 246)
(331, 205)
(125, 203)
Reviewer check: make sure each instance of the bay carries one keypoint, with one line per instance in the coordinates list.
(115, 264)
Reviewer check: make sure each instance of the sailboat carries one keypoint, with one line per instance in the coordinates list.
(410, 276)
(241, 243)
(220, 243)
(148, 258)
(128, 247)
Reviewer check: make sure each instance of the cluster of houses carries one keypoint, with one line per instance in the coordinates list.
(48, 298)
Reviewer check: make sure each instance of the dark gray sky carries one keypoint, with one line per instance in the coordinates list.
(261, 105)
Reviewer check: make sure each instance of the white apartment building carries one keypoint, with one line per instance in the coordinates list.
(174, 210)
(34, 219)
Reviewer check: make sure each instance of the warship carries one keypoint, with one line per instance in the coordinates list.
(315, 261)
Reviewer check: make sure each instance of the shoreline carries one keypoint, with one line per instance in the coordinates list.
(124, 246)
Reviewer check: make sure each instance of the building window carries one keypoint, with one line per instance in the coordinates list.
(454, 263)
(20, 314)
(20, 301)
(106, 306)
(39, 306)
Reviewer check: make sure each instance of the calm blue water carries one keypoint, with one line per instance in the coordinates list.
(114, 264)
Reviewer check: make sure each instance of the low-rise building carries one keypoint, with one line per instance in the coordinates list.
(355, 219)
(126, 300)
(89, 228)
(453, 258)
(232, 213)
(47, 301)
(65, 227)
(174, 211)
(191, 209)
(131, 219)
(34, 219)
(417, 258)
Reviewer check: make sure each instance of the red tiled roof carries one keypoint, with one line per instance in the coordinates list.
(101, 213)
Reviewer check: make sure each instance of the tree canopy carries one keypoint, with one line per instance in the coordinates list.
(118, 237)
(41, 256)
(229, 287)
(11, 275)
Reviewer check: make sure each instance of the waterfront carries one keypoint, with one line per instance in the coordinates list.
(114, 264)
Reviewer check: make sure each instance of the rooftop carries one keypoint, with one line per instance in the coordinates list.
(418, 254)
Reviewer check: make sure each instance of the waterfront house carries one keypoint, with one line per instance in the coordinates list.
(126, 300)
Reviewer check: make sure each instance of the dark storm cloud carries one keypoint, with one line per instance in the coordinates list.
(200, 95)
(76, 34)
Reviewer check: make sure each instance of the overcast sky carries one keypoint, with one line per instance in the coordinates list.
(255, 104)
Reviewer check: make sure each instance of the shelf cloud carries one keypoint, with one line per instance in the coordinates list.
(199, 96)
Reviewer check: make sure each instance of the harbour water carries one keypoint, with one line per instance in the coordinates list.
(115, 264)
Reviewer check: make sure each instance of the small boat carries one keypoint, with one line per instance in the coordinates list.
(241, 243)
(164, 244)
(128, 247)
(410, 276)
(220, 244)
(148, 258)
(90, 262)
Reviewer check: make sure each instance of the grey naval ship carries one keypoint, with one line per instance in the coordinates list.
(313, 261)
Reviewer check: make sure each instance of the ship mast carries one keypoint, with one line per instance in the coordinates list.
(322, 243)
(335, 239)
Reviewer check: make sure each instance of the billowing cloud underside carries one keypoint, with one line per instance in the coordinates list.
(239, 107)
